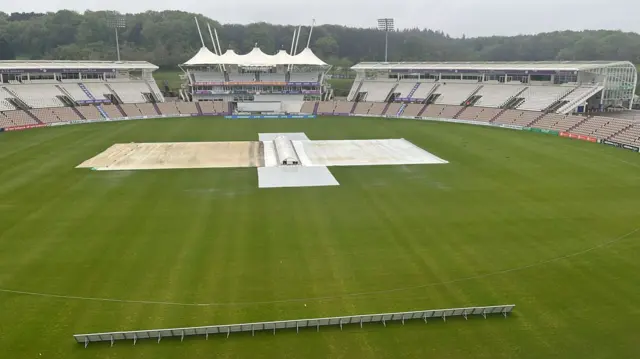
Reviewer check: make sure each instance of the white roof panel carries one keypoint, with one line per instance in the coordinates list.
(88, 65)
(203, 57)
(488, 66)
(258, 58)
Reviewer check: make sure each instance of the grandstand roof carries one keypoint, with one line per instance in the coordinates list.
(255, 58)
(61, 65)
(517, 65)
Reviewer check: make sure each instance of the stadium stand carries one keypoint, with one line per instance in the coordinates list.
(187, 108)
(112, 111)
(433, 111)
(146, 109)
(412, 110)
(538, 98)
(558, 122)
(601, 127)
(19, 118)
(308, 107)
(66, 114)
(517, 118)
(90, 112)
(168, 108)
(629, 136)
(497, 95)
(131, 110)
(455, 93)
(36, 96)
(376, 91)
(326, 107)
(343, 107)
(424, 90)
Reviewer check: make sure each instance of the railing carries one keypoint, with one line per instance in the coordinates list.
(297, 324)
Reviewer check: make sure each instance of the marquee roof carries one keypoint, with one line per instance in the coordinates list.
(488, 66)
(254, 58)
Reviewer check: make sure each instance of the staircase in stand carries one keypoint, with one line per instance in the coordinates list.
(33, 116)
(578, 124)
(78, 113)
(155, 106)
(102, 112)
(199, 108)
(498, 115)
(536, 120)
(401, 109)
(120, 109)
(413, 90)
(460, 112)
(386, 107)
(353, 108)
(86, 91)
(315, 108)
(621, 131)
(422, 110)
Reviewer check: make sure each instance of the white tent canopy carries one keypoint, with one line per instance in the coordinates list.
(203, 57)
(255, 58)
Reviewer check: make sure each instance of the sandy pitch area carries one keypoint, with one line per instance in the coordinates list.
(146, 156)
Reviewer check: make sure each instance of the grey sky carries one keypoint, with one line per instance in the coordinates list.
(456, 17)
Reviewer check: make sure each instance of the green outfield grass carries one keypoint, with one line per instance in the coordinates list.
(546, 223)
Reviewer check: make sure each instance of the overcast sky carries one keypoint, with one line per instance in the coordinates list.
(456, 17)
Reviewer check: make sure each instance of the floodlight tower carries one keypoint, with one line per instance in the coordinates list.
(116, 21)
(386, 25)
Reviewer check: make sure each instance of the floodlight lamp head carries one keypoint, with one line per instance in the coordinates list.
(386, 24)
(116, 21)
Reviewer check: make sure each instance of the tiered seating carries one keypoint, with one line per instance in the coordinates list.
(433, 111)
(538, 98)
(38, 96)
(308, 107)
(453, 93)
(343, 107)
(423, 90)
(377, 108)
(579, 94)
(470, 113)
(304, 77)
(169, 108)
(65, 114)
(393, 109)
(601, 127)
(4, 104)
(5, 122)
(131, 110)
(450, 111)
(517, 118)
(45, 115)
(237, 77)
(98, 90)
(147, 109)
(487, 114)
(112, 111)
(557, 122)
(326, 107)
(278, 77)
(630, 136)
(75, 92)
(19, 118)
(187, 108)
(362, 108)
(212, 106)
(496, 95)
(404, 88)
(216, 77)
(412, 109)
(90, 112)
(377, 91)
(130, 92)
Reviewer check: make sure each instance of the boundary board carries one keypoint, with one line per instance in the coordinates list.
(158, 334)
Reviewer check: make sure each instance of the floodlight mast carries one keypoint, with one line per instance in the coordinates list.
(386, 25)
(116, 21)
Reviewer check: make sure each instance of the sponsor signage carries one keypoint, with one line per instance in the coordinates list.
(263, 117)
(611, 143)
(632, 148)
(578, 137)
(25, 127)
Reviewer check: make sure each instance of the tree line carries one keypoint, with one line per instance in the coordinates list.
(168, 38)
